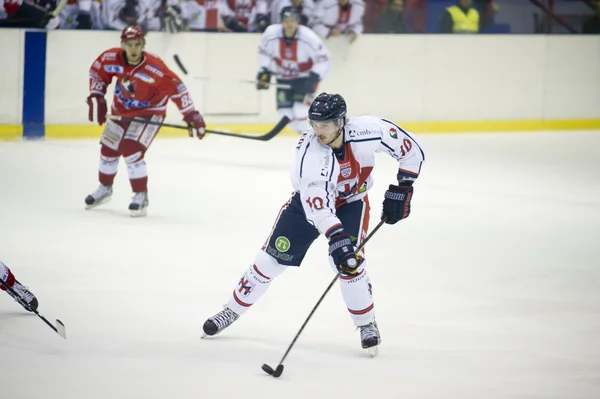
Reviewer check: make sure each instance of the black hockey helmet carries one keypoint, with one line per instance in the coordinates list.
(328, 107)
(289, 12)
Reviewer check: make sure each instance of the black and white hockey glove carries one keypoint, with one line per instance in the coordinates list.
(262, 79)
(172, 21)
(396, 205)
(262, 22)
(342, 252)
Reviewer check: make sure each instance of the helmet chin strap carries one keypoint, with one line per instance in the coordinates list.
(337, 135)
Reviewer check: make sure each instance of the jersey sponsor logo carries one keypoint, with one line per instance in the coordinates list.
(282, 244)
(182, 88)
(346, 172)
(130, 103)
(155, 70)
(325, 169)
(144, 77)
(278, 254)
(113, 68)
(97, 65)
(109, 56)
(393, 133)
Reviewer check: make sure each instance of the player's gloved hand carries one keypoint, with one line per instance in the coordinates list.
(342, 253)
(172, 19)
(262, 22)
(396, 205)
(102, 109)
(262, 79)
(196, 125)
(303, 20)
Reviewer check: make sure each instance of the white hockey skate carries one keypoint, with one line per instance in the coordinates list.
(23, 296)
(101, 196)
(370, 338)
(139, 204)
(219, 322)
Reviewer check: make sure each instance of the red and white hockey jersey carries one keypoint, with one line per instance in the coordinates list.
(293, 58)
(330, 15)
(326, 180)
(141, 90)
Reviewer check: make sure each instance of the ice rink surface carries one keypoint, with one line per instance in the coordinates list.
(490, 289)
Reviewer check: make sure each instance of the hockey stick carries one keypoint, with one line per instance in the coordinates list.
(185, 72)
(279, 369)
(59, 328)
(265, 137)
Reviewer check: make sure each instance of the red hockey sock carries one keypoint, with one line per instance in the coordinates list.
(139, 185)
(10, 280)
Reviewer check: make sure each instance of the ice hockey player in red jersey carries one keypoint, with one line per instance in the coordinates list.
(18, 291)
(144, 85)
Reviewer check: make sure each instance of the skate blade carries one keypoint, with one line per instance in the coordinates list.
(101, 202)
(139, 213)
(373, 351)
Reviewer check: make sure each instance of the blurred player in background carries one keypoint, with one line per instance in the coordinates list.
(144, 85)
(339, 17)
(299, 59)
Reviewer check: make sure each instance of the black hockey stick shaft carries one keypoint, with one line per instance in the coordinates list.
(265, 137)
(8, 288)
(362, 244)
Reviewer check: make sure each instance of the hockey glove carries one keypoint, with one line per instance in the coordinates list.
(102, 109)
(172, 20)
(262, 22)
(343, 255)
(396, 205)
(262, 79)
(196, 125)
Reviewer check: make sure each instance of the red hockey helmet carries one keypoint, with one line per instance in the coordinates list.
(132, 33)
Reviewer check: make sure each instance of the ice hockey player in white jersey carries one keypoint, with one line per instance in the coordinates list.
(18, 291)
(331, 179)
(299, 59)
(339, 17)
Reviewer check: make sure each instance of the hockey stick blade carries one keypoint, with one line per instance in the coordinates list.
(279, 369)
(266, 137)
(59, 328)
(275, 373)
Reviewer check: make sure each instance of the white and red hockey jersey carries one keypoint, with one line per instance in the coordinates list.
(326, 181)
(245, 11)
(330, 15)
(204, 14)
(293, 58)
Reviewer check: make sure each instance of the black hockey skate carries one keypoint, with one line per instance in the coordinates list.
(219, 322)
(370, 338)
(23, 296)
(100, 196)
(139, 204)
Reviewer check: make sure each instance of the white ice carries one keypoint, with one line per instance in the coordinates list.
(491, 289)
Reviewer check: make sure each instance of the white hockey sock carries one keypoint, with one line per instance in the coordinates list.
(358, 296)
(136, 167)
(254, 282)
(108, 165)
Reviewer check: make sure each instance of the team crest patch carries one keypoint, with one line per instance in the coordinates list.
(393, 133)
(346, 172)
(282, 244)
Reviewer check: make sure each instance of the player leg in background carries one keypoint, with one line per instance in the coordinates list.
(109, 164)
(23, 296)
(297, 111)
(357, 289)
(286, 246)
(138, 137)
